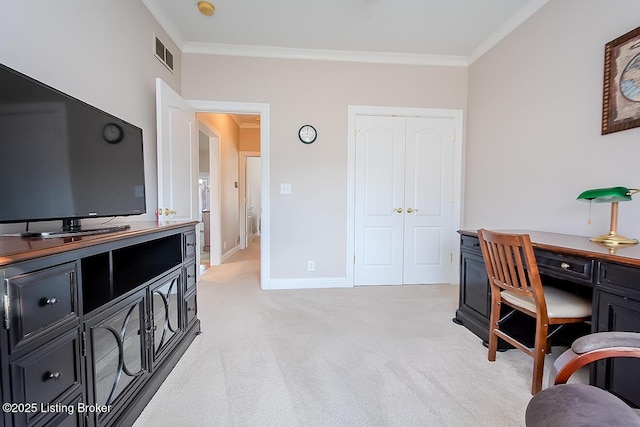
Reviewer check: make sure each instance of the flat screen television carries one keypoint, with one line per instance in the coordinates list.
(62, 159)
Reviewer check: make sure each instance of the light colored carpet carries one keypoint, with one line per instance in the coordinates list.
(369, 356)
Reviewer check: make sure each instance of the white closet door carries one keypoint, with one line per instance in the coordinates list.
(379, 200)
(428, 200)
(403, 200)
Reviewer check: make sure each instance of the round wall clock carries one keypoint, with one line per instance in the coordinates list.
(307, 134)
(112, 133)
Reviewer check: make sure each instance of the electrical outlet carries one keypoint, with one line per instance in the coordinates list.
(311, 265)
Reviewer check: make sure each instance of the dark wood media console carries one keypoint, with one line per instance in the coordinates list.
(92, 325)
(611, 276)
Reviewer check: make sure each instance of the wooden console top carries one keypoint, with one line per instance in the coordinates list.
(15, 249)
(576, 245)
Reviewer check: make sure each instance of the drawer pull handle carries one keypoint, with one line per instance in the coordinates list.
(53, 302)
(54, 376)
(565, 266)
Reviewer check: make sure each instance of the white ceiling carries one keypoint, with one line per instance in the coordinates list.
(442, 32)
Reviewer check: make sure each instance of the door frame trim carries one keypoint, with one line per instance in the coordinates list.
(215, 226)
(361, 110)
(261, 109)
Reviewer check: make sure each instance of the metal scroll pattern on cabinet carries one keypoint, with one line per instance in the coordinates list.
(119, 353)
(165, 313)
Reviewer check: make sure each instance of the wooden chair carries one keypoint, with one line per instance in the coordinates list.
(584, 405)
(515, 282)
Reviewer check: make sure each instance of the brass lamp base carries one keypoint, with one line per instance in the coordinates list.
(613, 239)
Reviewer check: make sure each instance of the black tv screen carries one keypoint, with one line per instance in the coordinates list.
(61, 158)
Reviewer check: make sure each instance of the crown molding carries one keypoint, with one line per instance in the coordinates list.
(531, 7)
(165, 23)
(504, 30)
(323, 55)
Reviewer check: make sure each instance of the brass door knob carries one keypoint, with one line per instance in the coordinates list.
(168, 212)
(399, 210)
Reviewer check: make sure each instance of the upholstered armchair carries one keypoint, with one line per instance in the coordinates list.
(564, 404)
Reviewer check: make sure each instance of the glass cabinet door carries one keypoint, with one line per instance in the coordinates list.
(118, 351)
(165, 308)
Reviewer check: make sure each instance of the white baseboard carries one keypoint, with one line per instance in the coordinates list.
(314, 283)
(230, 253)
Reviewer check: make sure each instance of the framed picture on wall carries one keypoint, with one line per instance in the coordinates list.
(621, 90)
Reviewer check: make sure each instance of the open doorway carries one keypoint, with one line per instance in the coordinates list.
(231, 220)
(178, 181)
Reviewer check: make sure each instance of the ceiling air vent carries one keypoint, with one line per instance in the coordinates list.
(162, 53)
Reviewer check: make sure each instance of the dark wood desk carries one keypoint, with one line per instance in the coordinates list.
(610, 275)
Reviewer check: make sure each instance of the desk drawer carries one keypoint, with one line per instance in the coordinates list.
(470, 242)
(574, 269)
(620, 276)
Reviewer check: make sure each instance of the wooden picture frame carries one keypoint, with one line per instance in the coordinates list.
(621, 89)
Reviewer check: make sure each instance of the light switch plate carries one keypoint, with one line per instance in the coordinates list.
(285, 188)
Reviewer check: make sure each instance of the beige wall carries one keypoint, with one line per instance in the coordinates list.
(99, 52)
(310, 224)
(249, 139)
(533, 124)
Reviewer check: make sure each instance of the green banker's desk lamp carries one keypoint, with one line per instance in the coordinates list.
(611, 195)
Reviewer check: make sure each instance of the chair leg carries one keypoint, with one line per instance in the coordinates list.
(539, 352)
(493, 324)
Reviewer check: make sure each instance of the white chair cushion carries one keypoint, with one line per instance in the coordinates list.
(559, 303)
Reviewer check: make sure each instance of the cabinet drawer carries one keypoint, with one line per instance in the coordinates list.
(191, 304)
(191, 274)
(47, 375)
(575, 269)
(189, 244)
(40, 299)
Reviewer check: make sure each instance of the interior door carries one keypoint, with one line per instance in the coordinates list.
(428, 191)
(177, 156)
(379, 204)
(403, 200)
